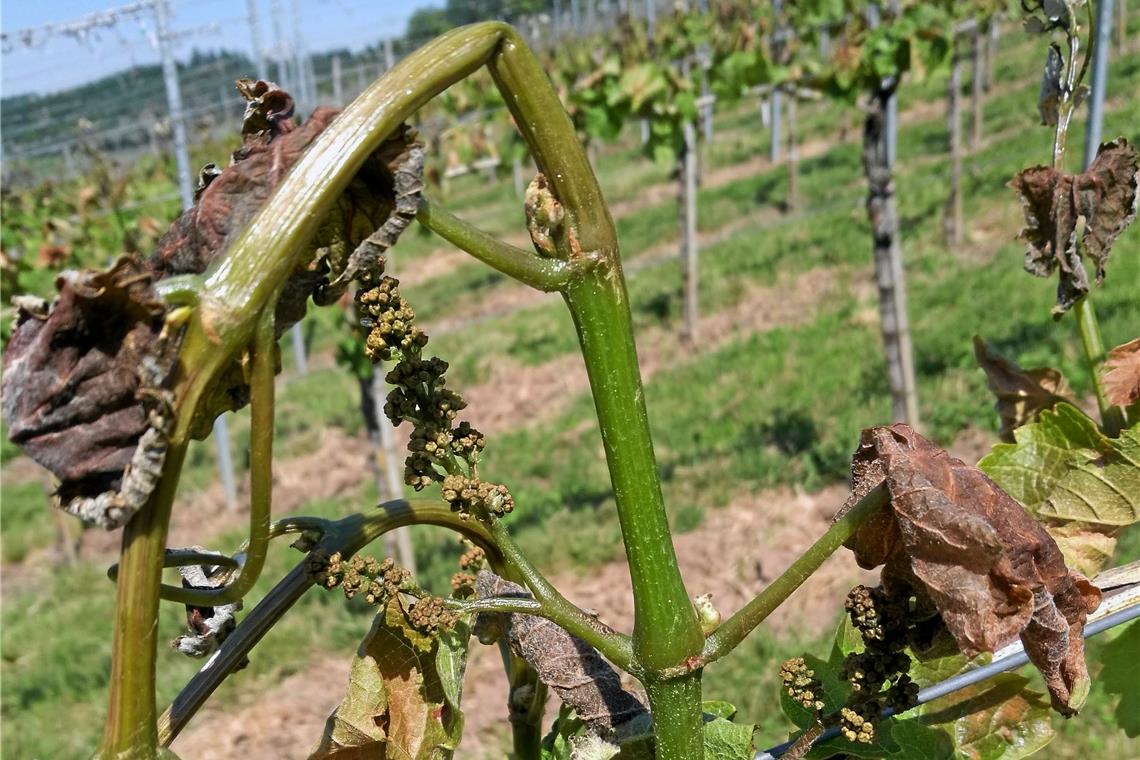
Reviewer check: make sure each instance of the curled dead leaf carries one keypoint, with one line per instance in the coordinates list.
(1053, 202)
(80, 379)
(952, 537)
(75, 395)
(1021, 394)
(1122, 374)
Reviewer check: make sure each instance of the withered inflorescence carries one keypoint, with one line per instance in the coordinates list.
(878, 675)
(440, 449)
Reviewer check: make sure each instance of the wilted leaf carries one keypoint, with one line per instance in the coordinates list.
(397, 705)
(79, 382)
(1086, 547)
(74, 394)
(1021, 394)
(1121, 675)
(573, 669)
(1122, 374)
(998, 719)
(992, 571)
(1105, 196)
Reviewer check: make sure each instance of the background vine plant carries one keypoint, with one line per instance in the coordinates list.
(202, 315)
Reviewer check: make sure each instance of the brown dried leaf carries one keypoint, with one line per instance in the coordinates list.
(1021, 394)
(396, 705)
(1105, 196)
(268, 110)
(1122, 374)
(73, 397)
(572, 668)
(992, 571)
(73, 376)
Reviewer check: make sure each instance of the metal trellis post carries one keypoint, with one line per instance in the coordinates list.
(1099, 79)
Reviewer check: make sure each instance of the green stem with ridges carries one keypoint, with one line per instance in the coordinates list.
(260, 479)
(129, 730)
(544, 274)
(1112, 417)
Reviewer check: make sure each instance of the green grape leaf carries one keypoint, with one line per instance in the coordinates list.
(1121, 675)
(998, 719)
(556, 745)
(895, 739)
(451, 661)
(398, 702)
(718, 708)
(725, 740)
(1064, 468)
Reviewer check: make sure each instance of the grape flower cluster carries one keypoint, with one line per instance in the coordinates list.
(801, 684)
(440, 449)
(885, 622)
(381, 583)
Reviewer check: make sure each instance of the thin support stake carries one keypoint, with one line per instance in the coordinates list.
(689, 250)
(1099, 79)
(299, 357)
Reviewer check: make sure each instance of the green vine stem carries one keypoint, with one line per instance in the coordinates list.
(1112, 417)
(544, 274)
(526, 705)
(260, 479)
(732, 631)
(129, 731)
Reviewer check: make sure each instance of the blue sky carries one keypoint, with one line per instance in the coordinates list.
(63, 62)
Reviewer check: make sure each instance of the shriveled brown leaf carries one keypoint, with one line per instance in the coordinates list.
(1122, 374)
(1021, 394)
(72, 393)
(396, 706)
(72, 380)
(576, 672)
(953, 536)
(1105, 196)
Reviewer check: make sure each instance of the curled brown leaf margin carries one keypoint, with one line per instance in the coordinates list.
(952, 538)
(78, 385)
(1105, 196)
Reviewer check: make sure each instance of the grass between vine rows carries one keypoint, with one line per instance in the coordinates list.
(778, 406)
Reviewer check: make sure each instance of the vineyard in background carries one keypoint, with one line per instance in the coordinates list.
(703, 159)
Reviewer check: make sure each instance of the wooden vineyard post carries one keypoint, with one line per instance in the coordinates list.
(687, 207)
(793, 156)
(883, 214)
(952, 219)
(978, 94)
